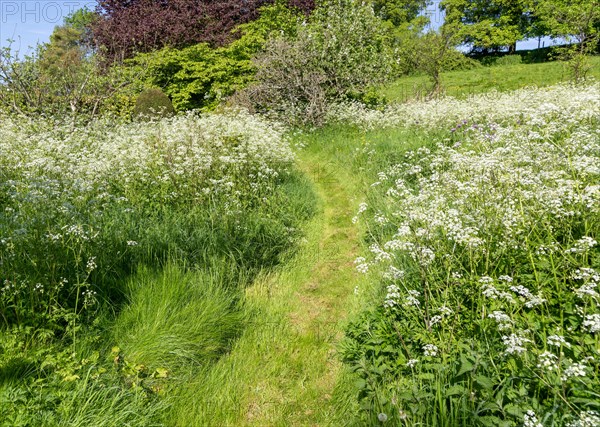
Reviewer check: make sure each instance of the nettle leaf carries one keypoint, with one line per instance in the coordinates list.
(466, 365)
(514, 410)
(484, 382)
(490, 421)
(456, 390)
(360, 384)
(427, 376)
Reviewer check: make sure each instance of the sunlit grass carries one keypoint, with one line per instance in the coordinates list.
(484, 79)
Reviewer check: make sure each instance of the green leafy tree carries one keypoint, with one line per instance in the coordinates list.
(399, 12)
(62, 77)
(432, 53)
(490, 25)
(577, 22)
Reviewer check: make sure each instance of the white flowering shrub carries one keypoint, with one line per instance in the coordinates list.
(487, 246)
(341, 52)
(80, 207)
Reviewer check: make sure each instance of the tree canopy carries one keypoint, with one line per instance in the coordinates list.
(399, 12)
(490, 25)
(126, 27)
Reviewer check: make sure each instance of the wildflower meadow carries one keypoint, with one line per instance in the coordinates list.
(92, 212)
(485, 247)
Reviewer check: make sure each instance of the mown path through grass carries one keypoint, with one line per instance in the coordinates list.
(284, 369)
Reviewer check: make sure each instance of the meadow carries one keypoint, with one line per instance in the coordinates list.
(424, 263)
(125, 252)
(484, 246)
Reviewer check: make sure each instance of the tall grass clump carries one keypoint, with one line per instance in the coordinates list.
(177, 319)
(484, 251)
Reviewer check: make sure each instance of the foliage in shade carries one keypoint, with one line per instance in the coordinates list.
(153, 103)
(128, 27)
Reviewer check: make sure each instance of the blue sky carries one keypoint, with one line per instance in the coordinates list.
(29, 22)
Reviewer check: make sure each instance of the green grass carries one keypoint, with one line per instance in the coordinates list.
(485, 79)
(177, 320)
(283, 370)
(162, 288)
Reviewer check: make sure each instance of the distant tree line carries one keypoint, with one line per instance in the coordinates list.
(491, 25)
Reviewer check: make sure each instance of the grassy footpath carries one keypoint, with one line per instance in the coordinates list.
(284, 369)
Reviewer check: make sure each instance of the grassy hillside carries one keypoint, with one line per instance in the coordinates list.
(486, 78)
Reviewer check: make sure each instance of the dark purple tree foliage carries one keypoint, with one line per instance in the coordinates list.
(126, 27)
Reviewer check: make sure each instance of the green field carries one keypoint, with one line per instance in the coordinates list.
(434, 263)
(501, 78)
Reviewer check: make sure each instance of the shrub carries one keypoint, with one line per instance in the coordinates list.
(509, 60)
(343, 50)
(200, 76)
(153, 103)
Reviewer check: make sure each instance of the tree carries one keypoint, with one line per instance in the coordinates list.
(59, 78)
(339, 54)
(431, 53)
(82, 20)
(200, 76)
(489, 25)
(577, 22)
(127, 27)
(399, 12)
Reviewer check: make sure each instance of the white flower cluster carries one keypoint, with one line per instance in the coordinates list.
(574, 370)
(430, 350)
(586, 419)
(582, 245)
(503, 181)
(591, 280)
(192, 156)
(557, 341)
(515, 343)
(393, 296)
(362, 266)
(530, 419)
(488, 290)
(530, 299)
(527, 105)
(547, 361)
(502, 319)
(591, 323)
(443, 313)
(511, 194)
